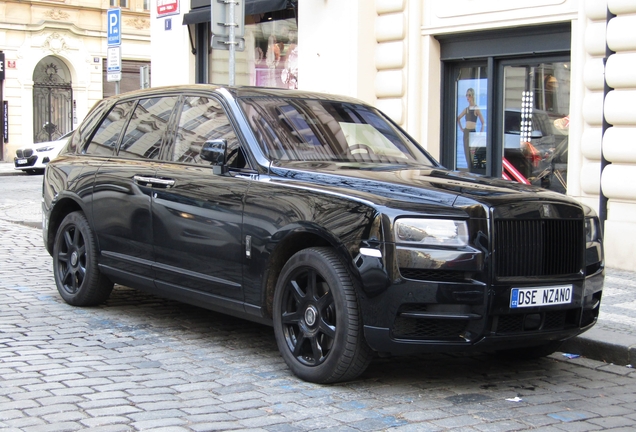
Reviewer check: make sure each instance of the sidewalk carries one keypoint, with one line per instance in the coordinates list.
(7, 168)
(612, 339)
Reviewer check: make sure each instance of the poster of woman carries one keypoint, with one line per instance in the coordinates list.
(470, 121)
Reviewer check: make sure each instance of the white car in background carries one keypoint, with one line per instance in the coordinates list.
(33, 158)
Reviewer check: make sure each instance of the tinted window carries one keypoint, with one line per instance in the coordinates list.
(104, 141)
(146, 128)
(320, 130)
(86, 127)
(203, 119)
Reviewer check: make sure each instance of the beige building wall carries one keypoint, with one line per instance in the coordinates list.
(75, 33)
(172, 61)
(618, 144)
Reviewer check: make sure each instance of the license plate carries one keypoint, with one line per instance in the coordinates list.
(540, 296)
(22, 161)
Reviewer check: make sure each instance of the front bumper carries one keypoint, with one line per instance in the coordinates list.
(458, 318)
(39, 162)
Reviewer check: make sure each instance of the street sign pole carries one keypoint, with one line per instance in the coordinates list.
(227, 23)
(232, 42)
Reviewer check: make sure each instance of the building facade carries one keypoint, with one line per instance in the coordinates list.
(55, 57)
(538, 91)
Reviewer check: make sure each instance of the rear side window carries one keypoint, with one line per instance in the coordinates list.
(105, 139)
(86, 127)
(203, 119)
(147, 128)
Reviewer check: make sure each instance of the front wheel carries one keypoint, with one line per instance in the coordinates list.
(77, 277)
(316, 318)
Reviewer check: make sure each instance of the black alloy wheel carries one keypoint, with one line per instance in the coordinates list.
(77, 277)
(316, 318)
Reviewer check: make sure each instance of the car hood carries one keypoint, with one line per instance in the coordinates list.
(410, 187)
(43, 144)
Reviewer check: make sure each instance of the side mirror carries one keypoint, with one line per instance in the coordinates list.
(215, 152)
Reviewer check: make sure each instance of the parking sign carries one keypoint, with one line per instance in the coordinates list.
(113, 24)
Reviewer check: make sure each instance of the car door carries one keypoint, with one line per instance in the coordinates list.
(124, 183)
(198, 219)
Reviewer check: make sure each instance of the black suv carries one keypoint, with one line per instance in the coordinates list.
(318, 215)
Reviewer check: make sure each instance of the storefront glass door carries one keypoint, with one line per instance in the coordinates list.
(535, 123)
(509, 118)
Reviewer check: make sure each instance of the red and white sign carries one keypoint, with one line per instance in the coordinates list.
(167, 7)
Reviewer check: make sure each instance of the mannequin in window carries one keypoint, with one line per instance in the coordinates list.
(472, 113)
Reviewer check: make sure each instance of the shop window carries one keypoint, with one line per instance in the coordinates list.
(505, 112)
(471, 88)
(536, 113)
(270, 57)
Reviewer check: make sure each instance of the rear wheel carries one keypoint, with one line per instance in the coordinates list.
(77, 277)
(316, 318)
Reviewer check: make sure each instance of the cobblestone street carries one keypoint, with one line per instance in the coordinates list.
(145, 363)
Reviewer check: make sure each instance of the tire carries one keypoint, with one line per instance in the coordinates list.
(317, 322)
(77, 277)
(529, 353)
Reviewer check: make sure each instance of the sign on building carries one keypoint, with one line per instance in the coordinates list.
(167, 7)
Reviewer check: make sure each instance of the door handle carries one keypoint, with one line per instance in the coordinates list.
(153, 181)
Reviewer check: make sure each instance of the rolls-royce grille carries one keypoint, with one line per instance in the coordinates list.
(542, 247)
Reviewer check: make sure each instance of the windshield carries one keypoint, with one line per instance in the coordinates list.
(297, 129)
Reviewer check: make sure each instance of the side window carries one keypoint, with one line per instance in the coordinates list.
(86, 127)
(146, 128)
(203, 119)
(104, 140)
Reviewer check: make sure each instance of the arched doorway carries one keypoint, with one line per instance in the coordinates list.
(52, 99)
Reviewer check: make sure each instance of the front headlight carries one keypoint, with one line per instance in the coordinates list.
(591, 229)
(43, 149)
(433, 232)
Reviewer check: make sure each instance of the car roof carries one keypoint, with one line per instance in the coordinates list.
(238, 92)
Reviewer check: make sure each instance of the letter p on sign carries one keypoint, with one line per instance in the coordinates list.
(113, 23)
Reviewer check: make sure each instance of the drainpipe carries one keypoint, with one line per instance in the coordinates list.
(602, 212)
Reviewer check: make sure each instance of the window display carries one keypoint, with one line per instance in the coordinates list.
(471, 90)
(270, 57)
(536, 123)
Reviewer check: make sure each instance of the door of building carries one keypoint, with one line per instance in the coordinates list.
(506, 110)
(52, 100)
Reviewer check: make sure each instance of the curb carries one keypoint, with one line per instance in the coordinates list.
(603, 345)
